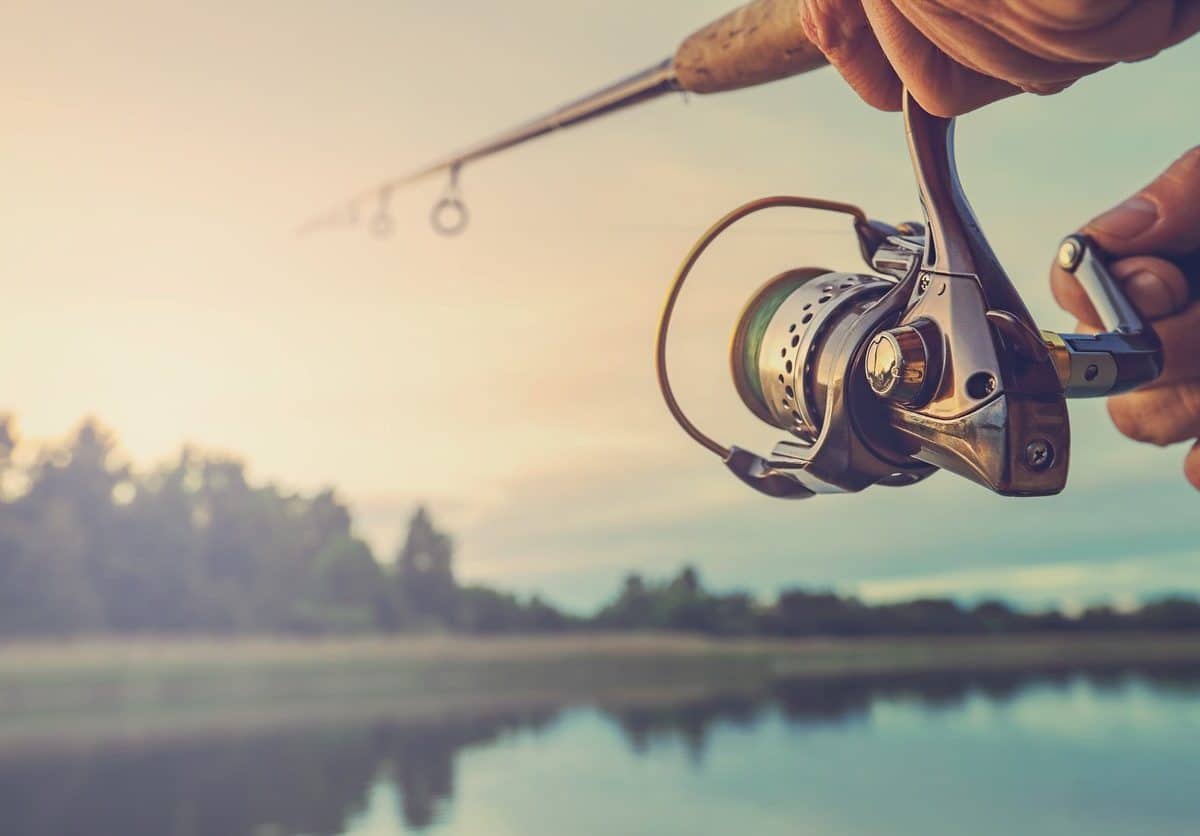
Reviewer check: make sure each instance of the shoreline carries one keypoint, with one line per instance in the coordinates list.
(84, 692)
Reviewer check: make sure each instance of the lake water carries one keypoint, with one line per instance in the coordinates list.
(998, 754)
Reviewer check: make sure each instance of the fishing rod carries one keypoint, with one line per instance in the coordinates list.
(928, 360)
(760, 42)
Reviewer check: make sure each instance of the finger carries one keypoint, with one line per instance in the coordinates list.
(1162, 219)
(1160, 416)
(941, 85)
(1156, 287)
(1191, 466)
(841, 31)
(990, 39)
(1180, 336)
(1072, 32)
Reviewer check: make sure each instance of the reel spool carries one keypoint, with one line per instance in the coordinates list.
(779, 344)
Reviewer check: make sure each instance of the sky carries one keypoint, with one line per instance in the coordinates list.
(156, 159)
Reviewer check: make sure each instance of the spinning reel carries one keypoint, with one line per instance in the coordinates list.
(931, 361)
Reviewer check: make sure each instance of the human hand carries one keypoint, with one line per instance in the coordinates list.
(1162, 221)
(957, 55)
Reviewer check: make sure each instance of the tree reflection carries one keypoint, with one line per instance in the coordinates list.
(421, 758)
(316, 781)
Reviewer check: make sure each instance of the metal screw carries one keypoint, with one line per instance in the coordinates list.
(1039, 454)
(924, 284)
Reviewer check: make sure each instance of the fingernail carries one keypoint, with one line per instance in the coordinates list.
(1129, 220)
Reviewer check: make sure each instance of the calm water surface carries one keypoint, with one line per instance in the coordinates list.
(1118, 754)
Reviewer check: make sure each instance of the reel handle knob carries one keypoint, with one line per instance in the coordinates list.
(1126, 356)
(898, 365)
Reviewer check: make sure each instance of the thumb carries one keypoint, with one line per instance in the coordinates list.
(1161, 219)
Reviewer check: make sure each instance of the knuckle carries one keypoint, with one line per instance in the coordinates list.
(830, 32)
(1124, 419)
(1161, 417)
(840, 31)
(815, 24)
(1189, 401)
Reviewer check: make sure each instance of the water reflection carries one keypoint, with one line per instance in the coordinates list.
(317, 781)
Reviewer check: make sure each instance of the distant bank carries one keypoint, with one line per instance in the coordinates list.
(134, 690)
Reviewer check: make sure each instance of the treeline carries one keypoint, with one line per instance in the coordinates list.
(683, 604)
(90, 545)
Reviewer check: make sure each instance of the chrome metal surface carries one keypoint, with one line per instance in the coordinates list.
(999, 389)
(1127, 356)
(898, 365)
(1083, 373)
(1077, 256)
(793, 345)
(856, 447)
(899, 255)
(955, 243)
(1039, 454)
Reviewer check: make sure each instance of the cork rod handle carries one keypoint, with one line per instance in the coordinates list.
(760, 42)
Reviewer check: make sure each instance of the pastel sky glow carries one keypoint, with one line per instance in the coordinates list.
(156, 159)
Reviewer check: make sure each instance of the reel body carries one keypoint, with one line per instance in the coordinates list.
(931, 361)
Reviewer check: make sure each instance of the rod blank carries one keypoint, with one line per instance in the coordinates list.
(760, 42)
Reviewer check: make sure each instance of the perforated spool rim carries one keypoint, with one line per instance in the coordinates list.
(799, 325)
(746, 381)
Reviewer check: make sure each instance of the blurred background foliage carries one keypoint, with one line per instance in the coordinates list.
(90, 545)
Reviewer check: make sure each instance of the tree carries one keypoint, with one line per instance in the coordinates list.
(64, 557)
(425, 573)
(632, 608)
(346, 590)
(1173, 613)
(8, 443)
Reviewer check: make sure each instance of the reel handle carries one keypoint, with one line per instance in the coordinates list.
(1127, 355)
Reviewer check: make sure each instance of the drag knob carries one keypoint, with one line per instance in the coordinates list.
(898, 366)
